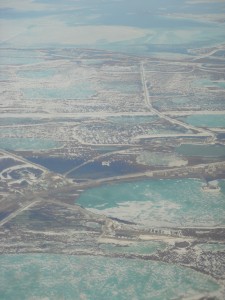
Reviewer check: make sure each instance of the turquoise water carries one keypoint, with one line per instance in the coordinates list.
(210, 83)
(57, 277)
(19, 60)
(19, 57)
(19, 121)
(167, 202)
(36, 74)
(167, 41)
(201, 150)
(80, 91)
(221, 84)
(28, 144)
(212, 247)
(138, 248)
(155, 19)
(205, 120)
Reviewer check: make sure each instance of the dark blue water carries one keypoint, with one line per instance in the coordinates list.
(4, 214)
(56, 164)
(96, 170)
(7, 163)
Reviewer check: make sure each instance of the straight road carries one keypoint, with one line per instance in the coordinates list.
(165, 117)
(16, 213)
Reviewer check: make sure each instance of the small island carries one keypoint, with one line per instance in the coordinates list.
(211, 186)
